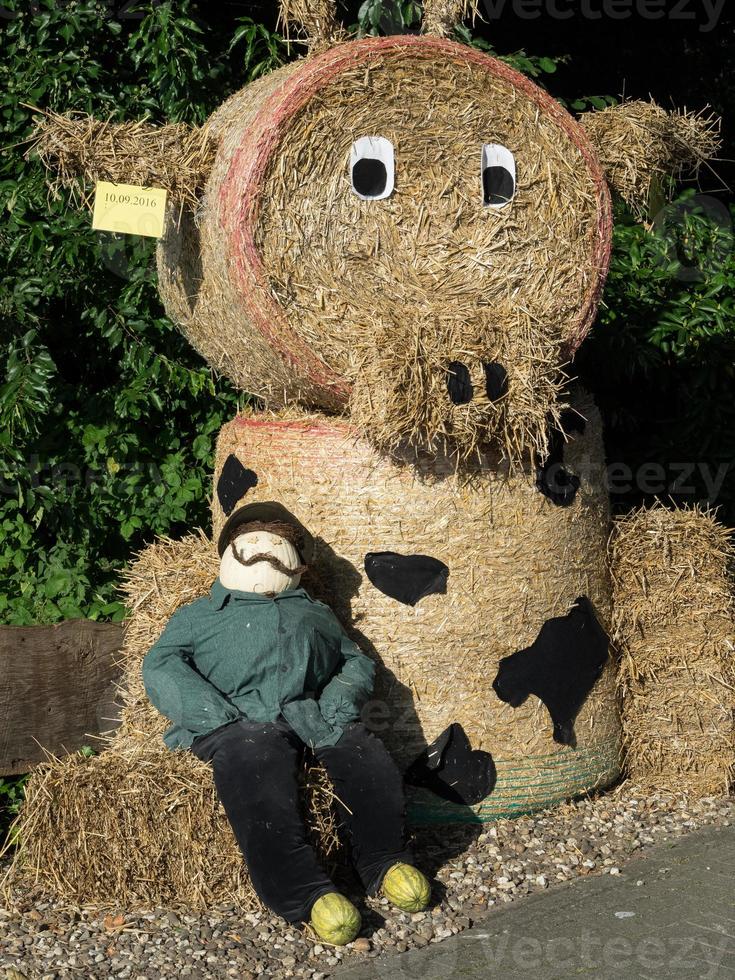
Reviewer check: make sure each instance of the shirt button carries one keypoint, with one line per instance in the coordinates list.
(284, 667)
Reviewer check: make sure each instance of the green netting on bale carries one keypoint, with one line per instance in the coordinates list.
(524, 786)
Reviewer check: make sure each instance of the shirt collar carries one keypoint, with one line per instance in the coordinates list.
(220, 596)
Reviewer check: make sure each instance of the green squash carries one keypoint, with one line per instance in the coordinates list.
(405, 887)
(335, 919)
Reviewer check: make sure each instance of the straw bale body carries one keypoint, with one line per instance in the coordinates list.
(675, 625)
(290, 284)
(139, 825)
(515, 560)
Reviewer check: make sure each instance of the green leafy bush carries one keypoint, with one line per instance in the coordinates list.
(661, 359)
(108, 417)
(12, 793)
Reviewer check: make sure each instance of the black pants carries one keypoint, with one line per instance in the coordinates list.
(256, 775)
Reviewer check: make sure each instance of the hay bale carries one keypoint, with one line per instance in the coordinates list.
(441, 17)
(641, 145)
(315, 22)
(675, 625)
(515, 560)
(286, 277)
(81, 150)
(399, 394)
(139, 825)
(162, 577)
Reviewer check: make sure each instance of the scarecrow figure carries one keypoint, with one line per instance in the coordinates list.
(251, 676)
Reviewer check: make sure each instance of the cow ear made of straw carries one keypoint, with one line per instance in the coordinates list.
(441, 17)
(78, 150)
(315, 21)
(642, 146)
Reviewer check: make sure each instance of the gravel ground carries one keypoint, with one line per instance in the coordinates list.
(475, 869)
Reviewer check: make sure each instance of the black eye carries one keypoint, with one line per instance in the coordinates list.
(498, 175)
(369, 177)
(372, 168)
(496, 380)
(497, 185)
(459, 383)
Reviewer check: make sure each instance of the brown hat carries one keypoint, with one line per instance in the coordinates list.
(266, 512)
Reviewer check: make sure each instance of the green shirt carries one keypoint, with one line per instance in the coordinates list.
(236, 654)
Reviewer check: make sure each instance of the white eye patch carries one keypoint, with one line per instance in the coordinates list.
(498, 171)
(372, 168)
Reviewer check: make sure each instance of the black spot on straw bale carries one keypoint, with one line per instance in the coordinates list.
(560, 667)
(407, 578)
(552, 479)
(449, 768)
(234, 482)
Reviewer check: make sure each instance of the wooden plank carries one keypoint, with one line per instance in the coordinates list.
(57, 688)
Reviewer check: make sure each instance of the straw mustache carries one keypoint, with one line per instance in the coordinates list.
(271, 559)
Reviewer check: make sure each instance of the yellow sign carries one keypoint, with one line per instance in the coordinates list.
(129, 209)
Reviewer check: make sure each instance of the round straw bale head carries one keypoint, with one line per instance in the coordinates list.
(291, 277)
(675, 625)
(514, 560)
(138, 826)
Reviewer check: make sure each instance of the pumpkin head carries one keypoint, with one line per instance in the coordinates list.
(247, 564)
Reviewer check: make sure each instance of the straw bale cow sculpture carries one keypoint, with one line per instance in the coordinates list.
(396, 244)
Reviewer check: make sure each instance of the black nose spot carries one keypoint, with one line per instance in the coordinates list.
(459, 383)
(496, 380)
(406, 578)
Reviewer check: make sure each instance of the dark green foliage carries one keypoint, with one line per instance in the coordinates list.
(404, 17)
(12, 792)
(661, 359)
(389, 17)
(108, 417)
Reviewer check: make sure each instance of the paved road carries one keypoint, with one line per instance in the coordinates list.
(669, 915)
